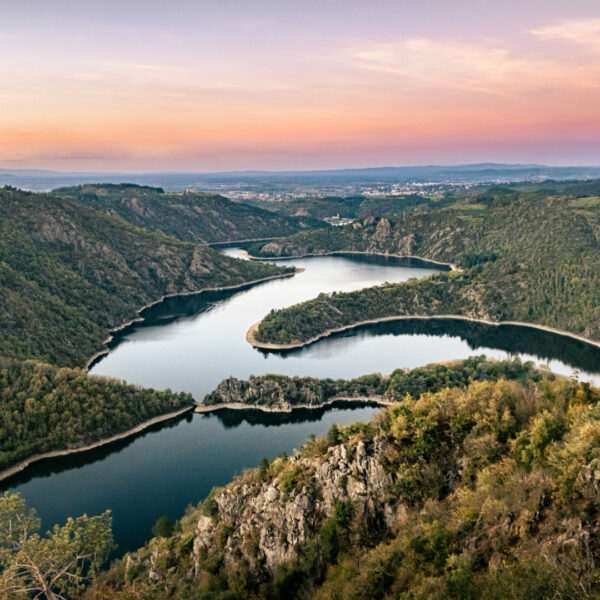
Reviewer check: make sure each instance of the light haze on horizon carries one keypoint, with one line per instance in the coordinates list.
(231, 85)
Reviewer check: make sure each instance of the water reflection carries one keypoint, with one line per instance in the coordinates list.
(234, 418)
(513, 339)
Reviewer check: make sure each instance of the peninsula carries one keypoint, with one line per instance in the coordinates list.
(526, 257)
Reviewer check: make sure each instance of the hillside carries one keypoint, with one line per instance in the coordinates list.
(524, 256)
(350, 206)
(192, 217)
(46, 408)
(69, 273)
(484, 492)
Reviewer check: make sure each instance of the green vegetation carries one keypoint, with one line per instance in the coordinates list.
(489, 473)
(354, 207)
(68, 274)
(591, 202)
(524, 255)
(163, 527)
(55, 566)
(490, 491)
(190, 216)
(283, 393)
(45, 408)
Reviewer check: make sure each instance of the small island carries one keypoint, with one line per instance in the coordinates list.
(279, 393)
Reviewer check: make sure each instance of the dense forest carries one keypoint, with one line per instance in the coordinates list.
(282, 393)
(489, 491)
(189, 216)
(69, 273)
(45, 408)
(523, 256)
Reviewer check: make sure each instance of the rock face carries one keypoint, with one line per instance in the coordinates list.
(281, 394)
(278, 516)
(381, 236)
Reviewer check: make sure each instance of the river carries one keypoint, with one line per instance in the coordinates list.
(192, 343)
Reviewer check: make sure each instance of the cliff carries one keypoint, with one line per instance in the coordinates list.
(282, 394)
(192, 217)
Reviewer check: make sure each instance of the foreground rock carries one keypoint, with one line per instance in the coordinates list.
(285, 512)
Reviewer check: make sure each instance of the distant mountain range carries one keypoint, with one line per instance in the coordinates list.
(45, 180)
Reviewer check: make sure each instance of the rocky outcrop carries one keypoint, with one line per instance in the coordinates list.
(279, 393)
(282, 514)
(372, 235)
(589, 476)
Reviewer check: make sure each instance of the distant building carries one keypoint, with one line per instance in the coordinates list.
(338, 221)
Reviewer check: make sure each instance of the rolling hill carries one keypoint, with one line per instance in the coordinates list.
(192, 217)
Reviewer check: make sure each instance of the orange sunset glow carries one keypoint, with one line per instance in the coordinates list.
(231, 85)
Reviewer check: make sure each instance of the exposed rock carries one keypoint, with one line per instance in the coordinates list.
(281, 521)
(589, 475)
(272, 249)
(382, 231)
(281, 394)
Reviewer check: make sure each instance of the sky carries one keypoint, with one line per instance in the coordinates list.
(149, 85)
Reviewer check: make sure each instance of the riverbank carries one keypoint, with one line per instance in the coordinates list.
(94, 358)
(251, 333)
(437, 263)
(378, 400)
(21, 466)
(232, 242)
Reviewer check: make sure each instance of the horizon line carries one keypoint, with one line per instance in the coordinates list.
(489, 165)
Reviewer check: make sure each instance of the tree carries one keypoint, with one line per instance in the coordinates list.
(263, 469)
(54, 566)
(163, 528)
(333, 435)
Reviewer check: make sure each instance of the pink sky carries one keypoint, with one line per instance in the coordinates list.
(223, 85)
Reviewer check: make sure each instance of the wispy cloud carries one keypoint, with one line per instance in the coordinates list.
(582, 31)
(477, 67)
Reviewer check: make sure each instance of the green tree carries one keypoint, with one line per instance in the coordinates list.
(163, 528)
(55, 566)
(263, 469)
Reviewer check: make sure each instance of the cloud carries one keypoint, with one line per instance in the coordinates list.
(81, 152)
(583, 31)
(476, 67)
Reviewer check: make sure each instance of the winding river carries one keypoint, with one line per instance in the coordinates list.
(192, 343)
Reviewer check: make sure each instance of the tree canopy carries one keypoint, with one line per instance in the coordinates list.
(54, 566)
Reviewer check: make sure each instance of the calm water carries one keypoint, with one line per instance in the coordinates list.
(191, 344)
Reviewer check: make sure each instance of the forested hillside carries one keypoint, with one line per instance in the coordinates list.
(524, 256)
(45, 408)
(69, 273)
(192, 217)
(484, 492)
(352, 206)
